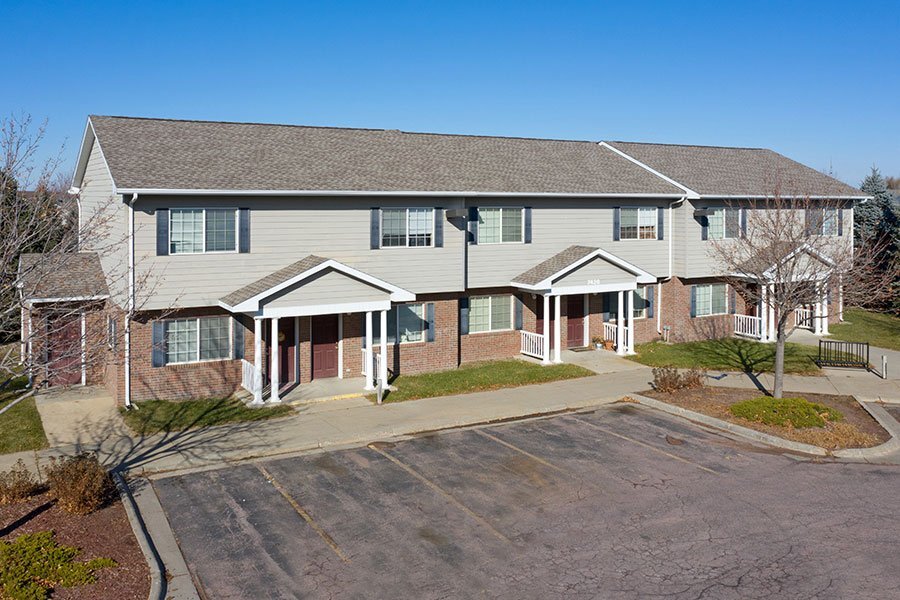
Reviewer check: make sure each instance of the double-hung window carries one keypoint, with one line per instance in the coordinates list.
(637, 223)
(490, 313)
(406, 324)
(401, 227)
(711, 299)
(197, 230)
(640, 302)
(829, 221)
(724, 223)
(500, 225)
(197, 339)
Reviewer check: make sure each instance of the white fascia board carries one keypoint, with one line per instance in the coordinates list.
(642, 275)
(84, 155)
(448, 193)
(569, 290)
(322, 309)
(687, 191)
(31, 301)
(772, 197)
(397, 294)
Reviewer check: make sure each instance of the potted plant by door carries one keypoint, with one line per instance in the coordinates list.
(597, 341)
(608, 344)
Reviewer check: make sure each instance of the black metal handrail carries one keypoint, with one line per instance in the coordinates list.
(843, 354)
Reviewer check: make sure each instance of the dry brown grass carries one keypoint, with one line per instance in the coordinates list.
(18, 484)
(80, 483)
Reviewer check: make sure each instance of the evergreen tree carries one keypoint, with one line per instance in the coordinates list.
(877, 222)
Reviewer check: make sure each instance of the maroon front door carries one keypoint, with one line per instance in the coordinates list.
(575, 321)
(539, 324)
(324, 346)
(64, 350)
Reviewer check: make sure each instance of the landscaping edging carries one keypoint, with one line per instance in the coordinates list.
(891, 445)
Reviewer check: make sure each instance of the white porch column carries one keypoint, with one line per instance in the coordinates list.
(763, 313)
(273, 376)
(297, 349)
(817, 311)
(824, 297)
(629, 343)
(587, 320)
(557, 331)
(773, 329)
(546, 329)
(370, 375)
(840, 300)
(620, 324)
(383, 370)
(257, 360)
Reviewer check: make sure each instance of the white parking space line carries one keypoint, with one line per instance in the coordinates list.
(646, 445)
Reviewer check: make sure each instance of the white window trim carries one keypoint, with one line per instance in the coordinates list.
(237, 231)
(725, 235)
(714, 314)
(200, 360)
(501, 208)
(512, 316)
(397, 342)
(407, 209)
(638, 238)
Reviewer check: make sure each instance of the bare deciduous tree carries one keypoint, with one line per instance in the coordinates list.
(792, 252)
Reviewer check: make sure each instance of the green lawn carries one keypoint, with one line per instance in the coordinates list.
(163, 416)
(20, 427)
(479, 377)
(727, 354)
(860, 325)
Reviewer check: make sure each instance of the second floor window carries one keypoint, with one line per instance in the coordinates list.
(196, 230)
(724, 223)
(500, 225)
(638, 223)
(406, 227)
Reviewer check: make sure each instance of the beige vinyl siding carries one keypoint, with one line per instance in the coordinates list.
(327, 287)
(597, 269)
(557, 224)
(103, 219)
(284, 230)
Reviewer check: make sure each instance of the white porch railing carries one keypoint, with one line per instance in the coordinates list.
(610, 332)
(532, 344)
(376, 364)
(748, 326)
(803, 317)
(249, 379)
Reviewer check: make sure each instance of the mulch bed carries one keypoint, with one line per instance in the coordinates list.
(864, 431)
(105, 533)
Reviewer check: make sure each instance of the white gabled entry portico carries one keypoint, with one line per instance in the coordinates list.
(582, 271)
(310, 288)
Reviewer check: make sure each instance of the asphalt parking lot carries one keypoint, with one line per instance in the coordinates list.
(622, 502)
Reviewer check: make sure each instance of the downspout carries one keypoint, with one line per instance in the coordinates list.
(659, 295)
(130, 312)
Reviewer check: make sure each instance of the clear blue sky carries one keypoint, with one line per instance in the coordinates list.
(818, 81)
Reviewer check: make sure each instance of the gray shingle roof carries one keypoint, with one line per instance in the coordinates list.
(169, 154)
(272, 279)
(58, 275)
(554, 264)
(715, 170)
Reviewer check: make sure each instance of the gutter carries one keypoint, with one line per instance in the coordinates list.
(130, 313)
(370, 193)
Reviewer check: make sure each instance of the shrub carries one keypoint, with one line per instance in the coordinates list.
(33, 564)
(785, 412)
(668, 379)
(80, 483)
(18, 484)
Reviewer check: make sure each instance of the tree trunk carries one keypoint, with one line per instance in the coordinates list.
(778, 388)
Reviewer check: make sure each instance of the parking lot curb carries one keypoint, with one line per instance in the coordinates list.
(888, 423)
(154, 562)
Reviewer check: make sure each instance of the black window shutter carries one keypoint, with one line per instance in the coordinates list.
(617, 216)
(660, 222)
(243, 230)
(162, 231)
(375, 229)
(732, 300)
(840, 215)
(159, 343)
(518, 313)
(743, 222)
(650, 293)
(429, 312)
(237, 342)
(464, 316)
(693, 301)
(473, 225)
(439, 228)
(808, 218)
(704, 228)
(527, 236)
